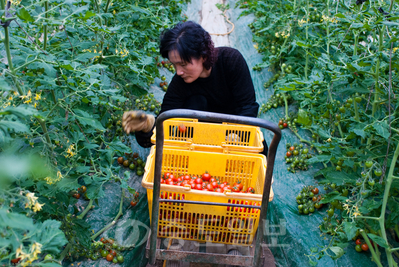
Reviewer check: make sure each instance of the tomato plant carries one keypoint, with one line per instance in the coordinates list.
(63, 107)
(331, 100)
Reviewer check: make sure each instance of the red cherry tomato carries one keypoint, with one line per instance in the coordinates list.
(251, 190)
(198, 186)
(198, 181)
(206, 176)
(182, 128)
(365, 247)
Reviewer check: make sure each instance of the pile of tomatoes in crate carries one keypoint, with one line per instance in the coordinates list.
(204, 182)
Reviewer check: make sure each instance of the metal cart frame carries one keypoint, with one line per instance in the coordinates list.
(153, 250)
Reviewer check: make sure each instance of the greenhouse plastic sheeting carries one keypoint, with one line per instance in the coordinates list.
(289, 234)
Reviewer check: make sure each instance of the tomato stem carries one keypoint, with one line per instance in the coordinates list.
(86, 210)
(357, 118)
(374, 255)
(45, 26)
(377, 70)
(114, 220)
(356, 36)
(286, 105)
(328, 26)
(340, 130)
(107, 6)
(8, 52)
(65, 252)
(307, 35)
(46, 135)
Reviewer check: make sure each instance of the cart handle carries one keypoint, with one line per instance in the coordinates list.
(213, 117)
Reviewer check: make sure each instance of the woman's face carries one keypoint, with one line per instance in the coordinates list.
(188, 71)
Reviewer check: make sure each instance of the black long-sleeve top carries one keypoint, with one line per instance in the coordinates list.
(228, 89)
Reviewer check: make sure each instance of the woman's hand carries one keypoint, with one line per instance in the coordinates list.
(137, 120)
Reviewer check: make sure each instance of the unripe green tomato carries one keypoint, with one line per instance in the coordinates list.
(368, 163)
(48, 257)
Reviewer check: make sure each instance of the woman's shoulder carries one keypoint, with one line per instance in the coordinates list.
(225, 51)
(230, 57)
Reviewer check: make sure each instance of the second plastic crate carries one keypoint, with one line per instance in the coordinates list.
(204, 223)
(211, 136)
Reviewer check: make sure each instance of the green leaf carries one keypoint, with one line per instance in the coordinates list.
(303, 117)
(88, 15)
(86, 119)
(379, 240)
(136, 8)
(24, 15)
(350, 229)
(331, 196)
(382, 128)
(319, 158)
(389, 23)
(337, 251)
(50, 236)
(339, 15)
(339, 178)
(48, 68)
(82, 169)
(119, 146)
(15, 126)
(357, 25)
(95, 190)
(21, 111)
(288, 87)
(68, 184)
(67, 67)
(4, 86)
(15, 221)
(303, 45)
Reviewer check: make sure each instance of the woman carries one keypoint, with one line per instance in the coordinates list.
(207, 79)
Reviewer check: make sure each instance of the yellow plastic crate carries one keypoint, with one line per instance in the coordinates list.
(214, 137)
(204, 223)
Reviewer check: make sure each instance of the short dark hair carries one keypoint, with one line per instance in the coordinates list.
(190, 40)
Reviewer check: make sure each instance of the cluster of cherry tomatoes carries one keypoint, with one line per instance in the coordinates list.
(282, 124)
(148, 102)
(165, 64)
(133, 161)
(308, 200)
(164, 83)
(111, 251)
(297, 156)
(204, 182)
(361, 246)
(135, 199)
(81, 190)
(275, 101)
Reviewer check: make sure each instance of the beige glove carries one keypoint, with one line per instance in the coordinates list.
(137, 120)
